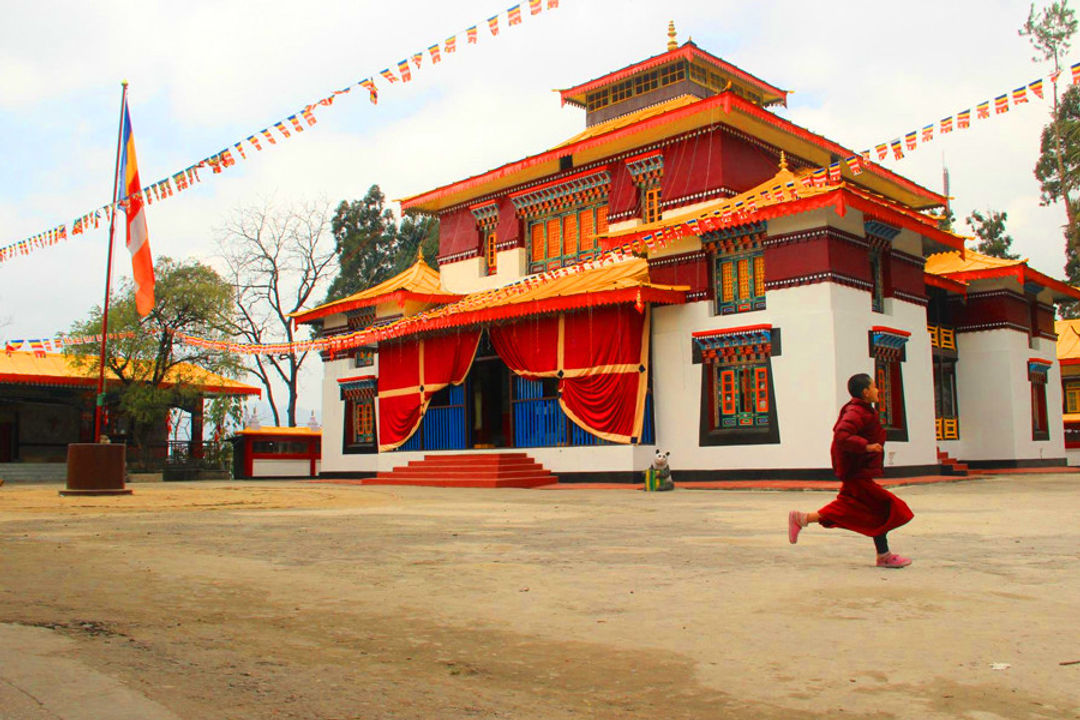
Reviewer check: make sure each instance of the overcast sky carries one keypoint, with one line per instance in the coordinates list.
(204, 75)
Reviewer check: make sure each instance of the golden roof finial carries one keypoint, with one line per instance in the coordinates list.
(671, 44)
(783, 161)
(420, 252)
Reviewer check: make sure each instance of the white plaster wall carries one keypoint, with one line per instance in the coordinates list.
(280, 468)
(994, 397)
(333, 415)
(467, 276)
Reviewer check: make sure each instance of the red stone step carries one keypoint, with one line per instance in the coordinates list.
(468, 470)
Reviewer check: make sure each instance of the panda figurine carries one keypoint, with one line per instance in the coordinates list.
(659, 473)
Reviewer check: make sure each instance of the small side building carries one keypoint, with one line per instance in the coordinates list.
(277, 452)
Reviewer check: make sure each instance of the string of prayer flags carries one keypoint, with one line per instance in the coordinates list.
(493, 24)
(433, 50)
(513, 15)
(471, 34)
(1001, 104)
(372, 90)
(1075, 73)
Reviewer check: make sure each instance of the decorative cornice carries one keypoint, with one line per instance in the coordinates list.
(681, 258)
(1001, 325)
(911, 298)
(574, 190)
(815, 278)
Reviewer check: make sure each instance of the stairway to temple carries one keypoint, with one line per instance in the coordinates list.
(950, 465)
(478, 470)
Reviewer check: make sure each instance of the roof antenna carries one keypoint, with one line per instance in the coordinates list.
(671, 44)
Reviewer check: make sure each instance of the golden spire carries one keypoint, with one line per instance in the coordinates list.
(783, 161)
(671, 44)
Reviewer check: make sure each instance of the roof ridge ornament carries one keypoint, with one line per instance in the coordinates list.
(671, 44)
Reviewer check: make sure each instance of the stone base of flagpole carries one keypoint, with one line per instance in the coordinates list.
(96, 469)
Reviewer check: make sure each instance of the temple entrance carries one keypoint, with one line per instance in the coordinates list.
(489, 401)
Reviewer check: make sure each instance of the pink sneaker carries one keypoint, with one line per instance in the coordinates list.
(892, 560)
(795, 523)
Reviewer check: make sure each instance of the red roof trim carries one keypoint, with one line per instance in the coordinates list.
(557, 182)
(543, 307)
(1068, 361)
(642, 156)
(398, 296)
(731, 331)
(889, 330)
(1040, 361)
(1022, 273)
(355, 378)
(687, 51)
(725, 101)
(945, 283)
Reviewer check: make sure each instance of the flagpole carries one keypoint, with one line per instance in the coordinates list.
(100, 400)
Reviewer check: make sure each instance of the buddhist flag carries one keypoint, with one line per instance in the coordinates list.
(1001, 104)
(403, 68)
(534, 6)
(372, 90)
(280, 127)
(1036, 87)
(493, 24)
(1020, 95)
(982, 110)
(882, 150)
(471, 33)
(946, 125)
(963, 119)
(138, 238)
(513, 14)
(898, 151)
(927, 133)
(1076, 73)
(834, 173)
(417, 59)
(854, 165)
(553, 4)
(390, 77)
(436, 56)
(909, 140)
(450, 45)
(266, 134)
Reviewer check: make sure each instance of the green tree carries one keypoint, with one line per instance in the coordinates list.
(366, 242)
(416, 232)
(990, 229)
(1050, 32)
(191, 298)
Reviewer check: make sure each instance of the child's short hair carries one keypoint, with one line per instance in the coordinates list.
(857, 383)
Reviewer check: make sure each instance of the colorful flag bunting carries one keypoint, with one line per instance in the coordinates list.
(1036, 86)
(403, 69)
(909, 140)
(296, 123)
(280, 126)
(417, 58)
(435, 55)
(927, 133)
(451, 44)
(946, 125)
(1019, 95)
(266, 133)
(513, 15)
(834, 173)
(982, 110)
(882, 150)
(898, 151)
(1001, 104)
(390, 77)
(471, 34)
(534, 6)
(309, 117)
(553, 4)
(493, 24)
(963, 119)
(1075, 73)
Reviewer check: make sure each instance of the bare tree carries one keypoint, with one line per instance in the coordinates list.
(277, 258)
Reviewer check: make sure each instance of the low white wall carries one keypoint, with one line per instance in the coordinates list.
(281, 468)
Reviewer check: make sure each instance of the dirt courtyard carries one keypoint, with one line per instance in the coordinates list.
(315, 601)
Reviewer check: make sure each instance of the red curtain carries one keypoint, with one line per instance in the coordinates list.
(600, 356)
(411, 371)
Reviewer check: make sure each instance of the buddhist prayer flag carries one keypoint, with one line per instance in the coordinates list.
(553, 4)
(1019, 95)
(403, 68)
(882, 151)
(513, 14)
(834, 172)
(1036, 87)
(417, 58)
(1001, 104)
(434, 51)
(372, 90)
(471, 34)
(493, 24)
(909, 140)
(927, 133)
(854, 165)
(535, 6)
(898, 151)
(963, 119)
(946, 125)
(296, 123)
(451, 44)
(254, 141)
(982, 110)
(138, 238)
(309, 117)
(390, 77)
(266, 134)
(280, 127)
(1076, 73)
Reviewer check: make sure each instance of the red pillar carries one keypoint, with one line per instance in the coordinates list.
(196, 447)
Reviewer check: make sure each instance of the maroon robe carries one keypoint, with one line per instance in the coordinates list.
(862, 505)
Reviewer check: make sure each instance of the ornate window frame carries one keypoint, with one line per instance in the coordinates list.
(738, 397)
